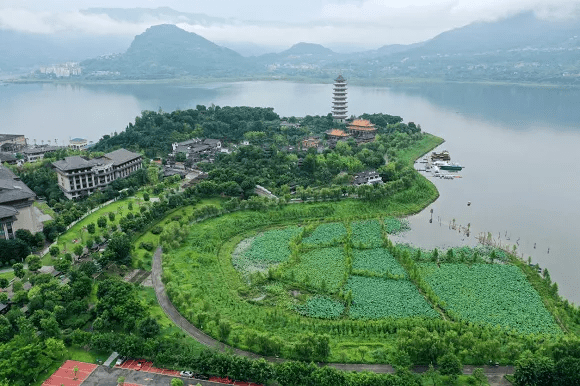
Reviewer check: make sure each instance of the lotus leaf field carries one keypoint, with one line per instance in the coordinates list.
(321, 268)
(375, 298)
(367, 233)
(493, 294)
(394, 225)
(326, 235)
(378, 260)
(267, 248)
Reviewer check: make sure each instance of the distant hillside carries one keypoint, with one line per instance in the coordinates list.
(165, 51)
(21, 51)
(307, 49)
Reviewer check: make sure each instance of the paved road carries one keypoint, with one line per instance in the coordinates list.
(494, 374)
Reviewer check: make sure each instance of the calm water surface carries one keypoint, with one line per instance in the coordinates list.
(518, 145)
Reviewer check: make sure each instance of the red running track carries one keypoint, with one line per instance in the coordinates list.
(65, 375)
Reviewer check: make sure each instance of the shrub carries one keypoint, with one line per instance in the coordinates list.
(157, 230)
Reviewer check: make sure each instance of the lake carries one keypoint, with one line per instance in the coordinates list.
(517, 145)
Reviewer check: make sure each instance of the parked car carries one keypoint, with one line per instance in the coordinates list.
(186, 374)
(120, 361)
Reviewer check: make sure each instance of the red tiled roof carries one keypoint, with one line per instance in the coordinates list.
(337, 133)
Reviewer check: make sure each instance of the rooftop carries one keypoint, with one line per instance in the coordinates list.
(11, 188)
(39, 149)
(6, 211)
(337, 133)
(78, 140)
(7, 157)
(340, 79)
(8, 137)
(75, 162)
(121, 156)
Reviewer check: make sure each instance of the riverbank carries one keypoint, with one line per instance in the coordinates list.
(192, 81)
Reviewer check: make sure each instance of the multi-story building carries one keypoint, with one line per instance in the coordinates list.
(16, 211)
(12, 142)
(78, 143)
(78, 176)
(36, 153)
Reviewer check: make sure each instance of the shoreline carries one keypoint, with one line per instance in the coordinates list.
(383, 82)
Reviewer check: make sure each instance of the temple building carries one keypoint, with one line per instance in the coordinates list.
(339, 99)
(361, 127)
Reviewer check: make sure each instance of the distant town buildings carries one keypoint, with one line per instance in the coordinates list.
(78, 143)
(64, 70)
(339, 104)
(11, 143)
(79, 176)
(16, 211)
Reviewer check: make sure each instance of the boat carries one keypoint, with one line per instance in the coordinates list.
(444, 155)
(448, 166)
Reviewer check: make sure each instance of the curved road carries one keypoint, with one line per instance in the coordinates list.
(494, 374)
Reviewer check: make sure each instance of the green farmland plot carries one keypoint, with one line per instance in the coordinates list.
(367, 233)
(326, 235)
(377, 260)
(394, 225)
(320, 265)
(270, 247)
(375, 298)
(494, 294)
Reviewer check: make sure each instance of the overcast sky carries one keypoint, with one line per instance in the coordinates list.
(364, 23)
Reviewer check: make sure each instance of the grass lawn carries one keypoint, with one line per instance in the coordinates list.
(78, 233)
(7, 275)
(44, 208)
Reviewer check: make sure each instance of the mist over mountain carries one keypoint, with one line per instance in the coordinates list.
(21, 52)
(162, 14)
(166, 51)
(521, 48)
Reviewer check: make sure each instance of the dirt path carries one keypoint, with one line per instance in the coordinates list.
(494, 374)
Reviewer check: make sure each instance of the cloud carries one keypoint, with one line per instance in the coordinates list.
(368, 23)
(44, 22)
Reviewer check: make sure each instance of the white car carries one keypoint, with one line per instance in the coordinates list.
(186, 374)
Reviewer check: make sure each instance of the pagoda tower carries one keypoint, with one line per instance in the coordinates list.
(339, 99)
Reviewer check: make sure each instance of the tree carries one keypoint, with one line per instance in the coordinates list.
(449, 364)
(34, 263)
(148, 328)
(91, 228)
(479, 376)
(81, 285)
(4, 282)
(176, 382)
(111, 216)
(102, 222)
(146, 196)
(224, 330)
(432, 375)
(119, 246)
(19, 270)
(54, 251)
(121, 381)
(567, 370)
(79, 249)
(153, 174)
(534, 371)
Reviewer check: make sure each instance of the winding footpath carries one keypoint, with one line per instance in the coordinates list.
(494, 374)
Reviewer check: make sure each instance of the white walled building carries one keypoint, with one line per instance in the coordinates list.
(78, 176)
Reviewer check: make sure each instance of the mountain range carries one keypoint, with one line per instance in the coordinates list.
(521, 48)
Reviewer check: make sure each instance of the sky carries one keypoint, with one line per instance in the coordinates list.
(360, 23)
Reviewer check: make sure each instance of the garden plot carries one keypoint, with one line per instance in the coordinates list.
(326, 235)
(367, 234)
(375, 298)
(493, 294)
(377, 260)
(324, 265)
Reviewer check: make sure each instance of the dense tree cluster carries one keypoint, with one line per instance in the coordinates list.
(154, 132)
